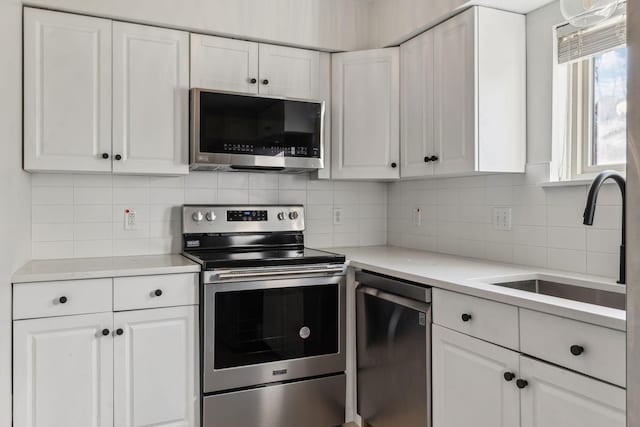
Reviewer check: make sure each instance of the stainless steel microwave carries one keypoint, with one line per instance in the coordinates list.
(255, 133)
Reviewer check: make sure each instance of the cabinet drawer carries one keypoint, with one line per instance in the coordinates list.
(553, 339)
(480, 318)
(132, 293)
(62, 298)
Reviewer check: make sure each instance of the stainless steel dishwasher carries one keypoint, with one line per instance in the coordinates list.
(393, 340)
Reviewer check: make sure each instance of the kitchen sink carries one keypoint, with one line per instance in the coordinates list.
(568, 291)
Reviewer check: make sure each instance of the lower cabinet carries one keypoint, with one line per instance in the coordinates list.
(125, 369)
(557, 397)
(63, 371)
(476, 383)
(469, 385)
(155, 367)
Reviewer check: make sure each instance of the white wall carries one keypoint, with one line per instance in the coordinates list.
(15, 188)
(547, 223)
(83, 215)
(332, 25)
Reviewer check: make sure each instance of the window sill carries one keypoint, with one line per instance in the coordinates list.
(570, 183)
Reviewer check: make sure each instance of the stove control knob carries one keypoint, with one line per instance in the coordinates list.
(197, 216)
(293, 215)
(281, 216)
(211, 216)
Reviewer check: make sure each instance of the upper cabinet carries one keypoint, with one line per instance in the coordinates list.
(255, 68)
(150, 100)
(416, 108)
(67, 92)
(366, 114)
(464, 96)
(103, 96)
(224, 64)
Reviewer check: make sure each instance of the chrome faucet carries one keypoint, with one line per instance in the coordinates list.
(590, 210)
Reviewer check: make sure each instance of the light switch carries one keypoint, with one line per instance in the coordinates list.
(337, 216)
(130, 219)
(417, 217)
(502, 218)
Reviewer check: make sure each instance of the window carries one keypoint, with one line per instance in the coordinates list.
(592, 73)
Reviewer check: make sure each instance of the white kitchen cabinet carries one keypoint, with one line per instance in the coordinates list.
(240, 66)
(155, 367)
(365, 114)
(469, 385)
(224, 64)
(289, 72)
(150, 100)
(464, 96)
(67, 92)
(556, 397)
(63, 371)
(416, 110)
(103, 96)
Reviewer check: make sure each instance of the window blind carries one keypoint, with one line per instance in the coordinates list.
(580, 43)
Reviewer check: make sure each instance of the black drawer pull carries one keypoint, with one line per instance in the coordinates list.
(63, 300)
(105, 332)
(119, 331)
(509, 376)
(520, 383)
(158, 292)
(577, 350)
(466, 317)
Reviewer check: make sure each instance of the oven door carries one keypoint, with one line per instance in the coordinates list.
(264, 331)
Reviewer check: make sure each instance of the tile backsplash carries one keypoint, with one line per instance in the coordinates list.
(547, 230)
(82, 215)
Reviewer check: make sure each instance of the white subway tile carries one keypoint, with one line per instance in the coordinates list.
(231, 180)
(52, 232)
(166, 181)
(93, 195)
(229, 196)
(131, 195)
(127, 247)
(601, 240)
(165, 196)
(567, 259)
(130, 181)
(292, 182)
(263, 180)
(92, 213)
(92, 180)
(319, 197)
(535, 256)
(50, 214)
(603, 264)
(294, 197)
(51, 180)
(52, 250)
(264, 196)
(566, 238)
(93, 231)
(92, 248)
(201, 195)
(52, 195)
(208, 180)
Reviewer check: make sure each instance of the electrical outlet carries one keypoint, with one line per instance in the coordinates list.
(502, 218)
(337, 216)
(130, 223)
(417, 217)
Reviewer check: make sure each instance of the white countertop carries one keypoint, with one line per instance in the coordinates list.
(471, 276)
(91, 268)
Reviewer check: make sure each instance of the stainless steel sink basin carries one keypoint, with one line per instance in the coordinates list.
(571, 292)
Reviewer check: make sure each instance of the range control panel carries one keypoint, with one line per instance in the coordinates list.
(241, 219)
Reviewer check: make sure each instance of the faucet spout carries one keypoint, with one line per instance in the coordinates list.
(590, 210)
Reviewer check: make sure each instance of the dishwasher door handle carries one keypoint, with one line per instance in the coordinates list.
(395, 299)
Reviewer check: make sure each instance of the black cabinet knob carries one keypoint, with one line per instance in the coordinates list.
(118, 157)
(522, 383)
(509, 376)
(394, 165)
(427, 159)
(62, 300)
(577, 350)
(105, 155)
(265, 82)
(253, 81)
(433, 158)
(105, 332)
(466, 317)
(158, 292)
(119, 331)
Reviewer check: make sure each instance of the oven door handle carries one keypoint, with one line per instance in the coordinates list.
(247, 274)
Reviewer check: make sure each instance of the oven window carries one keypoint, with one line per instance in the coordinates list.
(236, 124)
(268, 325)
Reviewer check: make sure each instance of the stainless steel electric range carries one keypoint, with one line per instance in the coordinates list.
(272, 318)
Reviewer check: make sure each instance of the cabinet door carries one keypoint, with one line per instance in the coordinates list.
(289, 72)
(67, 92)
(366, 114)
(63, 372)
(556, 397)
(469, 387)
(416, 110)
(454, 108)
(150, 100)
(155, 368)
(224, 64)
